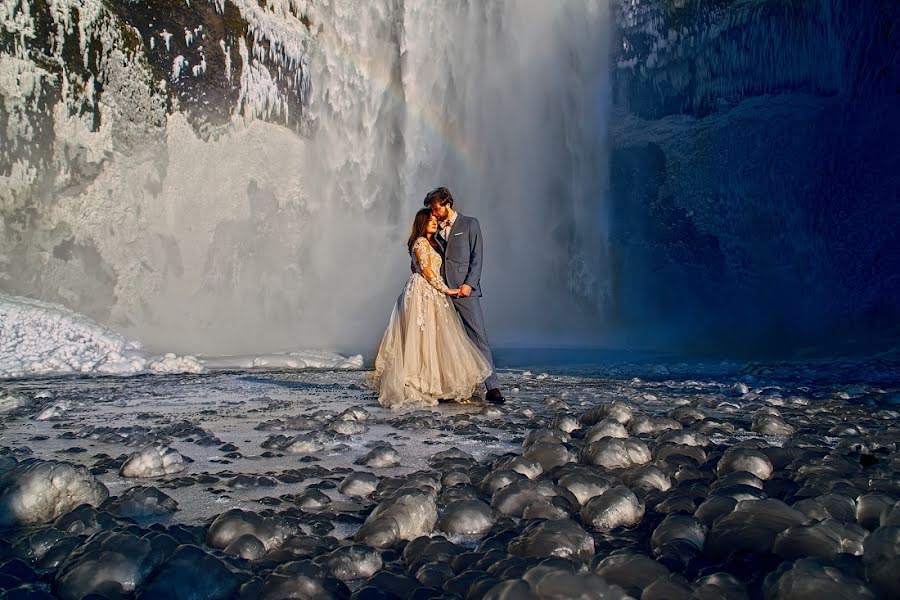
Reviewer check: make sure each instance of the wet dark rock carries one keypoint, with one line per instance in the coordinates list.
(546, 582)
(434, 574)
(303, 579)
(401, 586)
(111, 562)
(191, 573)
(751, 527)
(140, 501)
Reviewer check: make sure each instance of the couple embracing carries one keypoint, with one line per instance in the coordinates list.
(435, 347)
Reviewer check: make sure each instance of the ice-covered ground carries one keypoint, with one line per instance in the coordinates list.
(626, 480)
(38, 338)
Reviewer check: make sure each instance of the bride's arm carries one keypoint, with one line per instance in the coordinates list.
(420, 249)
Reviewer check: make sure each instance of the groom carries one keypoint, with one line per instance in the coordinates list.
(460, 238)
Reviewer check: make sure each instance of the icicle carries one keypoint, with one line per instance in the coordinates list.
(200, 69)
(178, 65)
(227, 51)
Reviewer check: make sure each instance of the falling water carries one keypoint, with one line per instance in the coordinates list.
(504, 103)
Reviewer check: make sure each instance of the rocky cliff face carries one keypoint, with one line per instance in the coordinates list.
(754, 170)
(107, 109)
(83, 78)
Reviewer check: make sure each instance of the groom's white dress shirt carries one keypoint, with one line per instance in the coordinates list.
(445, 232)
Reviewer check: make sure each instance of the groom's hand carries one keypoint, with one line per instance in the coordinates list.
(465, 291)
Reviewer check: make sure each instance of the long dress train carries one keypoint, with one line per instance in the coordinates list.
(425, 354)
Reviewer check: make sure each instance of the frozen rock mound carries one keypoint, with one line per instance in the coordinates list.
(605, 428)
(110, 562)
(549, 455)
(617, 507)
(824, 539)
(192, 573)
(516, 497)
(752, 526)
(562, 538)
(231, 525)
(405, 517)
(36, 491)
(614, 453)
(359, 483)
(380, 457)
(549, 583)
(680, 529)
(745, 459)
(631, 571)
(584, 486)
(882, 560)
(618, 410)
(467, 517)
(349, 563)
(153, 461)
(810, 578)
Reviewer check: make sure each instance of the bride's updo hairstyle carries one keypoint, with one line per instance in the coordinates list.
(419, 227)
(441, 196)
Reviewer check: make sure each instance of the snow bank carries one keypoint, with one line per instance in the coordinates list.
(42, 338)
(38, 337)
(307, 359)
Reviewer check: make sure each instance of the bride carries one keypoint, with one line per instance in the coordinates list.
(425, 354)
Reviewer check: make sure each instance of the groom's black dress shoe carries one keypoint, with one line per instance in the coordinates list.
(495, 397)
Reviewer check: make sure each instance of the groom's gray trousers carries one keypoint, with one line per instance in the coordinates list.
(469, 309)
(462, 265)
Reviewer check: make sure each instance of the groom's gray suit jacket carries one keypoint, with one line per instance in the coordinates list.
(462, 265)
(462, 254)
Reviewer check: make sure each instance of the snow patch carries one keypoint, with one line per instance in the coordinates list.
(42, 338)
(306, 359)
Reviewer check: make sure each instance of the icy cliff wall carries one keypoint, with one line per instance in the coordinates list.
(140, 142)
(755, 171)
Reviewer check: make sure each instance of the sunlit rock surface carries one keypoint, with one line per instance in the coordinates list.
(153, 461)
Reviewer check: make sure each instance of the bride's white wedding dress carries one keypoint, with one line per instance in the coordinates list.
(425, 354)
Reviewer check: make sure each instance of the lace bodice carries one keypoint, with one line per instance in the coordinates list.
(425, 257)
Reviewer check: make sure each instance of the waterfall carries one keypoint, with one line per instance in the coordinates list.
(282, 224)
(504, 103)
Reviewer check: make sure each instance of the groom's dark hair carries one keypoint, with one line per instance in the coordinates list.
(440, 196)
